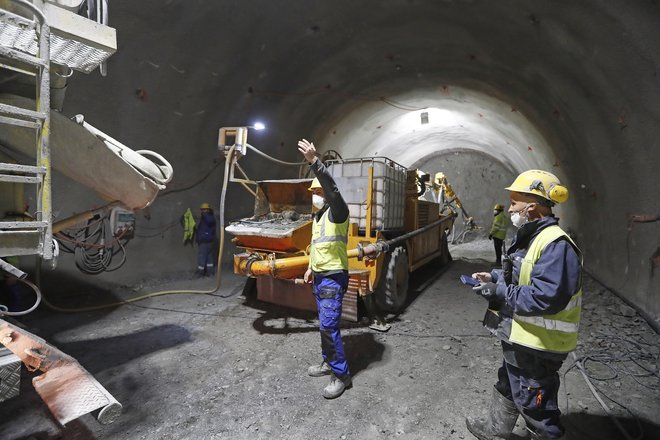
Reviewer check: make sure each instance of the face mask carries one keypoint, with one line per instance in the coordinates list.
(517, 219)
(318, 201)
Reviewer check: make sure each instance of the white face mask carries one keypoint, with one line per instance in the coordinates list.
(517, 219)
(318, 201)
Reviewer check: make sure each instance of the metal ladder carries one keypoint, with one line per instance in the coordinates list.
(30, 237)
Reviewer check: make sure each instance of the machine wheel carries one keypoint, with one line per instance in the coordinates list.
(392, 290)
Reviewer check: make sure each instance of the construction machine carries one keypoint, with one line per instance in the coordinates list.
(42, 42)
(392, 233)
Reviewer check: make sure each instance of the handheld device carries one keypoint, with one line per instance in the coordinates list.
(469, 281)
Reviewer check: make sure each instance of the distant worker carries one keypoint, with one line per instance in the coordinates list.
(534, 309)
(498, 232)
(328, 271)
(206, 238)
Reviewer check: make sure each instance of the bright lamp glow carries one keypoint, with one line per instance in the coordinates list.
(259, 126)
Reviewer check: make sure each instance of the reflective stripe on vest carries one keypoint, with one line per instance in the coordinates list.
(328, 249)
(555, 333)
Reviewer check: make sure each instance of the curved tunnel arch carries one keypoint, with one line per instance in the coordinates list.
(582, 76)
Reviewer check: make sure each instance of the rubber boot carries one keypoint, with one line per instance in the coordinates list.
(498, 423)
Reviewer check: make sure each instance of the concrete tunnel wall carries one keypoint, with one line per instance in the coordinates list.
(566, 86)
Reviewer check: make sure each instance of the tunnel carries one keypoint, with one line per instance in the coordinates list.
(478, 90)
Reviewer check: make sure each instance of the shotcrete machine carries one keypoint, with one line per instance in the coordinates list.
(391, 234)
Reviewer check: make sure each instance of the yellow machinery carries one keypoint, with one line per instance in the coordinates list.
(391, 234)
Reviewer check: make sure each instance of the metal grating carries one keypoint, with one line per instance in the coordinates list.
(10, 374)
(79, 53)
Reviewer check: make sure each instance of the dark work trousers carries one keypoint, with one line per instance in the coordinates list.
(205, 257)
(329, 292)
(532, 383)
(499, 244)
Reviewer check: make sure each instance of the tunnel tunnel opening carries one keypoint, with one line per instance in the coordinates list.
(480, 142)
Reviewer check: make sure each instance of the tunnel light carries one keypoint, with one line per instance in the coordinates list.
(258, 126)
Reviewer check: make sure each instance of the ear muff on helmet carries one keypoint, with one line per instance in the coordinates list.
(557, 193)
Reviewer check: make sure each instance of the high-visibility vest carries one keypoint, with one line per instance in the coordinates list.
(328, 248)
(499, 226)
(554, 333)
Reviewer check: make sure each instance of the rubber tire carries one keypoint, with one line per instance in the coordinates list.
(392, 291)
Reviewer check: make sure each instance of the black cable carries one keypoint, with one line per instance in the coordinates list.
(194, 184)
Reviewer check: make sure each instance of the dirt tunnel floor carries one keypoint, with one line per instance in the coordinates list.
(203, 367)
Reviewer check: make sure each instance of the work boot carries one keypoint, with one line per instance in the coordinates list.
(319, 370)
(336, 386)
(498, 423)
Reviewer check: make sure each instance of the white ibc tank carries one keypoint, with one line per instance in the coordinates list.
(389, 189)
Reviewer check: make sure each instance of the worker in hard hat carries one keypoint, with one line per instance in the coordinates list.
(534, 309)
(205, 237)
(328, 271)
(498, 231)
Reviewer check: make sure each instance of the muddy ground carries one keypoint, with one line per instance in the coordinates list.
(211, 367)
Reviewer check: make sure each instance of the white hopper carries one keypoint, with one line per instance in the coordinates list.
(85, 158)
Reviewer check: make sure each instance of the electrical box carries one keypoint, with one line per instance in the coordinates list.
(122, 222)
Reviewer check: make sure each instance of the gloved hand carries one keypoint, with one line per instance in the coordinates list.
(487, 290)
(490, 237)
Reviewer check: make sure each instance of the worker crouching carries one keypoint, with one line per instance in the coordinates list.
(328, 271)
(534, 309)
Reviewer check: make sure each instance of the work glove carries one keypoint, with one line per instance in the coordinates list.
(487, 290)
(490, 237)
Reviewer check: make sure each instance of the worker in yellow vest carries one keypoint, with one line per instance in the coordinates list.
(534, 309)
(498, 232)
(328, 271)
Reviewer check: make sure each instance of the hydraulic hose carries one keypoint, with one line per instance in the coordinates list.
(374, 249)
(37, 292)
(296, 164)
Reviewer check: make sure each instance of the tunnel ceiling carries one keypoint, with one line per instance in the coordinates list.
(559, 65)
(565, 85)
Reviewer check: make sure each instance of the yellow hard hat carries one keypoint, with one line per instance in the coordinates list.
(315, 184)
(205, 206)
(540, 183)
(498, 207)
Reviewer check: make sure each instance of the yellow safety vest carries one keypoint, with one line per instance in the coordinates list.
(554, 333)
(328, 248)
(499, 226)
